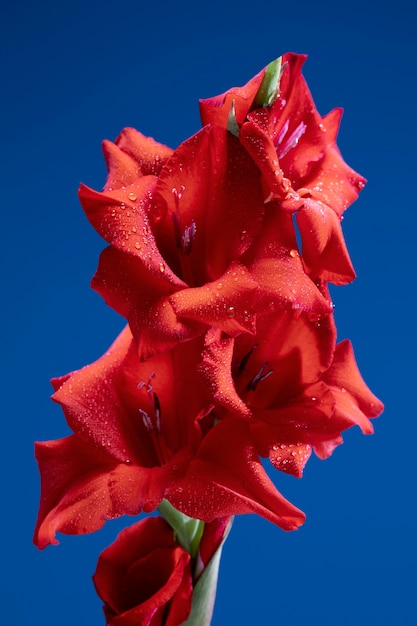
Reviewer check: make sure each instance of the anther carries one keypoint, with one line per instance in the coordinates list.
(246, 358)
(187, 238)
(292, 140)
(147, 422)
(157, 409)
(259, 377)
(282, 133)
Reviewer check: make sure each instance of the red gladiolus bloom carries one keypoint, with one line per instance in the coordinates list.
(181, 257)
(295, 149)
(144, 577)
(296, 390)
(144, 431)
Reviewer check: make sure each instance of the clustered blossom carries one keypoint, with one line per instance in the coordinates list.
(230, 351)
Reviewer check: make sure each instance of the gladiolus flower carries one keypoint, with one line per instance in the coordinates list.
(144, 431)
(183, 238)
(145, 577)
(295, 388)
(295, 149)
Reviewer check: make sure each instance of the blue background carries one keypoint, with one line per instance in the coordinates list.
(75, 73)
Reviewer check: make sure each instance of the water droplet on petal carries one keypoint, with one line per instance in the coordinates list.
(132, 196)
(161, 268)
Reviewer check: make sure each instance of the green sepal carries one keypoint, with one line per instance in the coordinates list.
(232, 125)
(188, 531)
(268, 90)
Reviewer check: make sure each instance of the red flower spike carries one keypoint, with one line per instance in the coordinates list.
(138, 440)
(144, 577)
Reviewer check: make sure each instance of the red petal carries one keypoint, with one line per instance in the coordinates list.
(274, 263)
(290, 457)
(132, 156)
(227, 303)
(81, 488)
(227, 478)
(121, 218)
(332, 181)
(144, 571)
(216, 110)
(149, 154)
(296, 106)
(141, 293)
(92, 406)
(214, 533)
(298, 351)
(209, 181)
(355, 403)
(283, 284)
(217, 371)
(287, 432)
(261, 148)
(324, 250)
(122, 169)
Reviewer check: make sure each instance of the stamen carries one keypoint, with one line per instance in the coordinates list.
(292, 140)
(282, 133)
(259, 377)
(151, 423)
(246, 358)
(157, 409)
(187, 238)
(147, 422)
